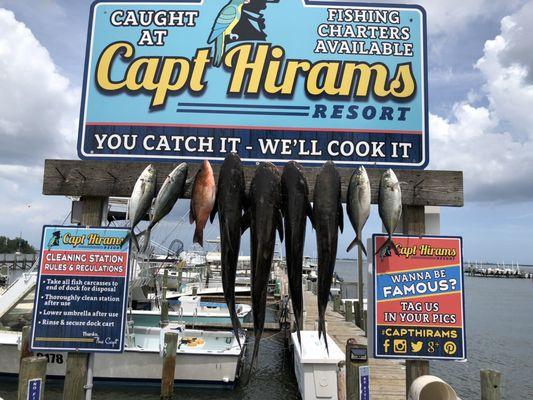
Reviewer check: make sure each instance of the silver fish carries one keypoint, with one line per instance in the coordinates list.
(141, 198)
(390, 208)
(358, 204)
(170, 192)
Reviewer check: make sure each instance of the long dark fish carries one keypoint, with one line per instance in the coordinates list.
(328, 218)
(296, 208)
(229, 203)
(265, 217)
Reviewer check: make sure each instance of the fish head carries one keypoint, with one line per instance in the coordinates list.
(390, 180)
(149, 173)
(361, 177)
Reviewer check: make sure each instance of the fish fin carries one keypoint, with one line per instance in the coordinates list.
(245, 221)
(199, 236)
(340, 214)
(279, 224)
(126, 239)
(214, 210)
(309, 211)
(355, 242)
(192, 216)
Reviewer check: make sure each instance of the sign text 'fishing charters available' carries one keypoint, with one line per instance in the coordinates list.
(273, 80)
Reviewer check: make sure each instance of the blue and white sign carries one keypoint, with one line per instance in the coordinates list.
(364, 382)
(34, 389)
(272, 80)
(82, 290)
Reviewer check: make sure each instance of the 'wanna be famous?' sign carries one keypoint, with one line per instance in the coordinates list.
(270, 79)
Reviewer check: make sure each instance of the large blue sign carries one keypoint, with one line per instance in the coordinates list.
(272, 80)
(82, 290)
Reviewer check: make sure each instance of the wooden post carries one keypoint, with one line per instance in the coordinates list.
(31, 368)
(25, 343)
(490, 384)
(364, 322)
(356, 317)
(169, 365)
(341, 381)
(348, 306)
(352, 370)
(360, 287)
(337, 303)
(414, 223)
(93, 213)
(164, 302)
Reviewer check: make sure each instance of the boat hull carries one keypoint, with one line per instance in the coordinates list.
(143, 366)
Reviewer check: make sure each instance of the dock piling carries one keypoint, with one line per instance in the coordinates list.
(169, 365)
(25, 343)
(337, 303)
(32, 369)
(360, 285)
(490, 384)
(356, 357)
(164, 302)
(348, 306)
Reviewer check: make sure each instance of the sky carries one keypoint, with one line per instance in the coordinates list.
(481, 119)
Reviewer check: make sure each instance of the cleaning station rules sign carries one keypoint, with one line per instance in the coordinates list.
(82, 287)
(418, 299)
(272, 80)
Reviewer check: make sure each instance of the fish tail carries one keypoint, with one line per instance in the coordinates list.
(236, 324)
(322, 331)
(297, 323)
(134, 238)
(199, 236)
(389, 244)
(355, 242)
(255, 354)
(145, 236)
(126, 239)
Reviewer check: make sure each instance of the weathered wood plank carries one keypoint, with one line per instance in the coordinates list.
(116, 179)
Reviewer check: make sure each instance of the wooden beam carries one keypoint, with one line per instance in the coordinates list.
(116, 179)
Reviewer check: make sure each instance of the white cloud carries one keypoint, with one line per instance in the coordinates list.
(38, 120)
(39, 109)
(493, 144)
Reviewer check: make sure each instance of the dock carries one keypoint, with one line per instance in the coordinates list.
(387, 378)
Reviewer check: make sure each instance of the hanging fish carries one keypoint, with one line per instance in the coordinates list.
(328, 219)
(390, 209)
(295, 208)
(141, 199)
(230, 202)
(265, 218)
(202, 200)
(358, 204)
(170, 192)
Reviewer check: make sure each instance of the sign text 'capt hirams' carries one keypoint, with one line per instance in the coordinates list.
(269, 80)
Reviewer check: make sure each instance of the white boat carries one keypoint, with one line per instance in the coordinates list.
(191, 309)
(205, 358)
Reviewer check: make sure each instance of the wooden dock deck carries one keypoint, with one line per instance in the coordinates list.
(387, 378)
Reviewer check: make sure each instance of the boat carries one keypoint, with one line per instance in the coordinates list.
(203, 358)
(191, 310)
